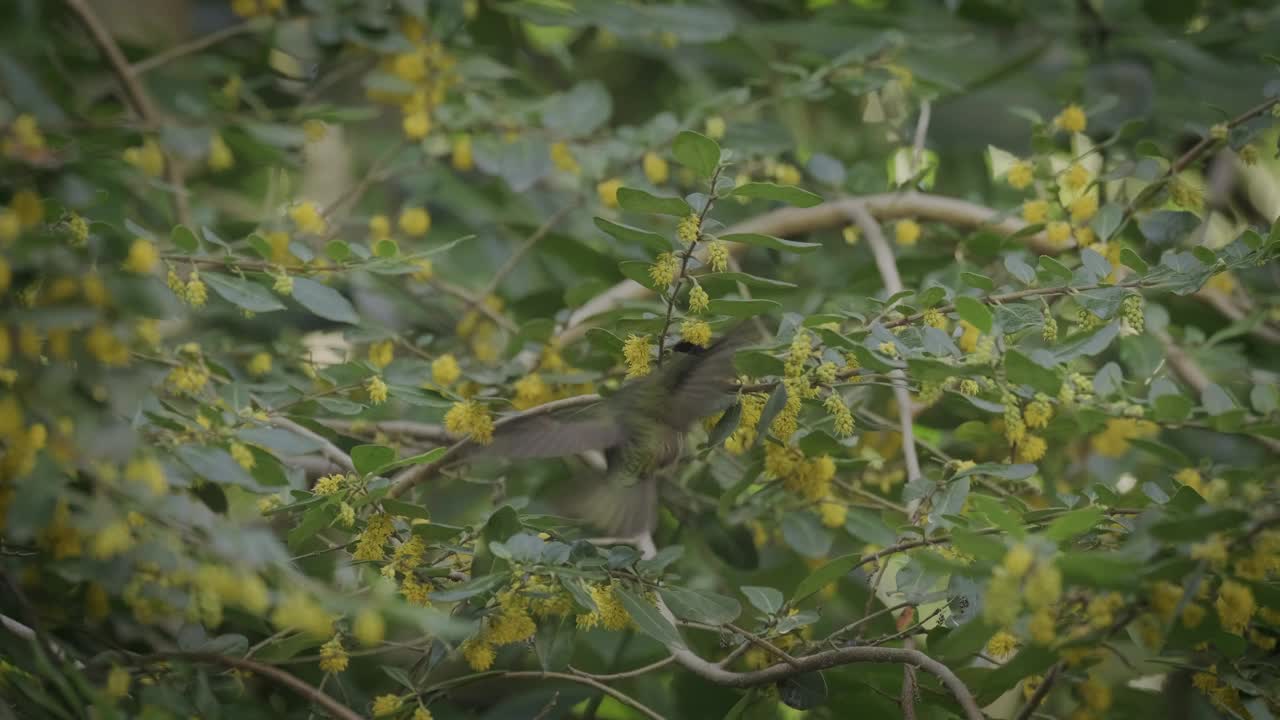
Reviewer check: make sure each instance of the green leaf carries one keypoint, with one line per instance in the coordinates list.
(420, 459)
(804, 534)
(242, 293)
(581, 110)
(1216, 400)
(324, 301)
(743, 308)
(1090, 343)
(789, 194)
(405, 509)
(981, 282)
(638, 271)
(1101, 570)
(1000, 470)
(1198, 527)
(337, 250)
(769, 241)
(628, 234)
(974, 312)
(751, 281)
(471, 588)
(962, 642)
(869, 526)
(648, 619)
(1133, 261)
(215, 465)
(185, 240)
(1073, 523)
(697, 152)
(641, 201)
(1023, 369)
(765, 599)
(701, 605)
(1054, 268)
(982, 547)
(368, 458)
(825, 575)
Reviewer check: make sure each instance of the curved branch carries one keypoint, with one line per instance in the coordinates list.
(328, 449)
(584, 680)
(276, 675)
(192, 46)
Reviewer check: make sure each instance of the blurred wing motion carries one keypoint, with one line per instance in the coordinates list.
(557, 433)
(619, 510)
(699, 381)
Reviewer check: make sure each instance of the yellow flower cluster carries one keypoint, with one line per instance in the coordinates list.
(607, 191)
(832, 513)
(718, 256)
(333, 657)
(609, 613)
(308, 218)
(461, 154)
(382, 353)
(1020, 175)
(414, 221)
(664, 269)
(187, 379)
(142, 258)
(749, 417)
(147, 157)
(376, 387)
(470, 418)
(428, 68)
(300, 611)
(259, 364)
(329, 484)
(385, 705)
(906, 232)
(375, 535)
(688, 230)
(445, 370)
(655, 168)
(840, 414)
(696, 331)
(1235, 606)
(1072, 119)
(808, 478)
(1113, 441)
(1002, 645)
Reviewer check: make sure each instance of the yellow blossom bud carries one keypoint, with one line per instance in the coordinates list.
(655, 168)
(415, 221)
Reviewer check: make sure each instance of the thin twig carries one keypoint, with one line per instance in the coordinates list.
(328, 449)
(475, 301)
(684, 264)
(191, 46)
(626, 673)
(138, 98)
(513, 260)
(582, 679)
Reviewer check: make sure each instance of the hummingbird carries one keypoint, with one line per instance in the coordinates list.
(640, 428)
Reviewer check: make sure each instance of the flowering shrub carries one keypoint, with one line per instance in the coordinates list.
(270, 293)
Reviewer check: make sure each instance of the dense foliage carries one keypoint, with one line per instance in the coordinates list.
(1004, 442)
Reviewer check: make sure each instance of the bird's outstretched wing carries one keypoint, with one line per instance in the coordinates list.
(698, 386)
(556, 433)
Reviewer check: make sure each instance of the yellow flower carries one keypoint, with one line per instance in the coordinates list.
(142, 258)
(220, 157)
(699, 301)
(146, 157)
(381, 353)
(426, 270)
(531, 391)
(369, 627)
(562, 158)
(1072, 119)
(714, 127)
(843, 419)
(470, 418)
(608, 192)
(416, 124)
(1020, 175)
(1084, 208)
(906, 232)
(374, 536)
(689, 229)
(112, 540)
(1076, 177)
(663, 270)
(333, 657)
(787, 174)
(445, 370)
(1043, 587)
(379, 227)
(1018, 560)
(384, 705)
(306, 216)
(118, 681)
(636, 352)
(832, 513)
(655, 168)
(10, 225)
(479, 655)
(1031, 449)
(196, 293)
(243, 456)
(422, 713)
(1002, 645)
(609, 612)
(697, 332)
(718, 256)
(283, 284)
(1235, 606)
(260, 364)
(148, 472)
(1058, 232)
(315, 130)
(1043, 627)
(462, 157)
(415, 221)
(1096, 695)
(377, 389)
